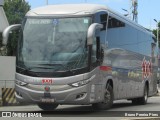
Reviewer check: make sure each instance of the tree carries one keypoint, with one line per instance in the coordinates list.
(15, 11)
(155, 33)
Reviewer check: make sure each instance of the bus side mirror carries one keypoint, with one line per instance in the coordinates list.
(91, 32)
(7, 31)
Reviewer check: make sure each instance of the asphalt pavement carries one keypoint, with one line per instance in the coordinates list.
(119, 111)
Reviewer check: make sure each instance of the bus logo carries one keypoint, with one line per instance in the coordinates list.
(47, 81)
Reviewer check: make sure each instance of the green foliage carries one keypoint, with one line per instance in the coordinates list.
(155, 33)
(15, 11)
(2, 49)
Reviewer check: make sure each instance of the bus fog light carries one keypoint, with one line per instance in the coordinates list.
(80, 95)
(80, 83)
(18, 93)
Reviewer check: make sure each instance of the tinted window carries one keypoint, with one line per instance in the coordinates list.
(59, 41)
(114, 23)
(122, 35)
(103, 18)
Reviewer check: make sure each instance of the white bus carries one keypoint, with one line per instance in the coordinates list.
(83, 54)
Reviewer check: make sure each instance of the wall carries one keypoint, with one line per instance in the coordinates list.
(7, 73)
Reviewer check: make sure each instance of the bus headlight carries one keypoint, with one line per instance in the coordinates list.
(21, 83)
(80, 83)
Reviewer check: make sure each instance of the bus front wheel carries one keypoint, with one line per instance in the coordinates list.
(47, 106)
(108, 100)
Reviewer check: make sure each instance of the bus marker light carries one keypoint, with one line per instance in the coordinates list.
(105, 68)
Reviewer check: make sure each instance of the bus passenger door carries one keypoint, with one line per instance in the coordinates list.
(98, 51)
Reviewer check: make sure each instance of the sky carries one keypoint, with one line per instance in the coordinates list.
(147, 9)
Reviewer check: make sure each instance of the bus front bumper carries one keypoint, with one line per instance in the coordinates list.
(73, 95)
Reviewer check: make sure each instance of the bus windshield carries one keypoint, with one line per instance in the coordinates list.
(58, 43)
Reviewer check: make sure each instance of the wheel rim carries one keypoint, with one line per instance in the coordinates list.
(107, 97)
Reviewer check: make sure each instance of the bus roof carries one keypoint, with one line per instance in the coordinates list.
(78, 9)
(66, 9)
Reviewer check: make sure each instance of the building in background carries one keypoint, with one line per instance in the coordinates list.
(3, 19)
(7, 66)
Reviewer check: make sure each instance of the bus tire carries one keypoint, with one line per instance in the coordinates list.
(108, 100)
(47, 106)
(135, 101)
(141, 100)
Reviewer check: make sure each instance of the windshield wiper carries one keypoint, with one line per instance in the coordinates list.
(42, 66)
(53, 64)
(26, 69)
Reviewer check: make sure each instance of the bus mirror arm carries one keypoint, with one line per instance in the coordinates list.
(91, 32)
(7, 31)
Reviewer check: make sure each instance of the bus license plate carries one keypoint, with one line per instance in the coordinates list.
(47, 100)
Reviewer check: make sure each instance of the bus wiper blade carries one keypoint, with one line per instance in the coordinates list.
(53, 64)
(25, 69)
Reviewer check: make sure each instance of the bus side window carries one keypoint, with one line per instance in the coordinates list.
(103, 19)
(114, 23)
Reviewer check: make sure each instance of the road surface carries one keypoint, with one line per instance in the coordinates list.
(117, 112)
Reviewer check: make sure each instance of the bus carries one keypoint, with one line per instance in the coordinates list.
(83, 54)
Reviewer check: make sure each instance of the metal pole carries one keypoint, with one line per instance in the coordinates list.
(46, 2)
(158, 55)
(126, 11)
(157, 34)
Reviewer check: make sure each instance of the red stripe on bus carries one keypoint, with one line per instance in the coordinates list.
(105, 68)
